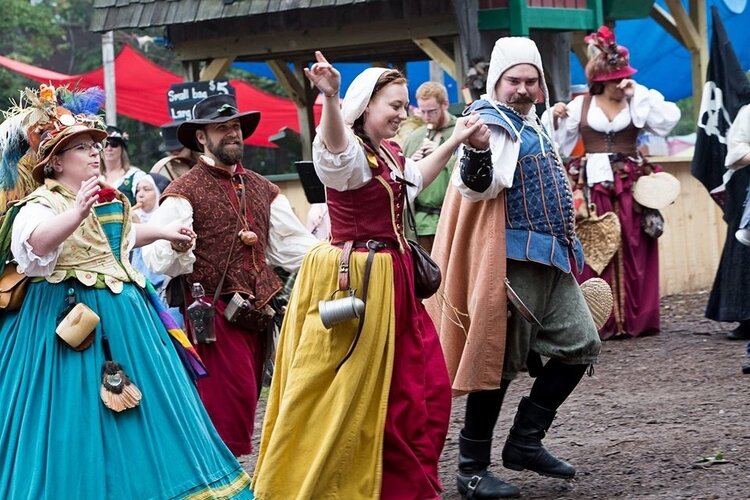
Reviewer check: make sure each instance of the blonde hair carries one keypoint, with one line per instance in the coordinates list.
(433, 89)
(124, 160)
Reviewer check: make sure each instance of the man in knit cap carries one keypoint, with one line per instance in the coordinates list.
(509, 213)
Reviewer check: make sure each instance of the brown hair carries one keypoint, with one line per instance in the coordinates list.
(433, 89)
(387, 78)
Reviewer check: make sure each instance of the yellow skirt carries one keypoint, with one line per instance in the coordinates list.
(323, 430)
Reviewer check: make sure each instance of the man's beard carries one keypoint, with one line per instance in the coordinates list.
(226, 153)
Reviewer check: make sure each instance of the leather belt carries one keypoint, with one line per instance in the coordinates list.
(373, 246)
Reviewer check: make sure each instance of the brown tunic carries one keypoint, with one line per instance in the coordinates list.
(215, 200)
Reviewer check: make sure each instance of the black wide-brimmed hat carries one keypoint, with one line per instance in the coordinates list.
(168, 134)
(216, 109)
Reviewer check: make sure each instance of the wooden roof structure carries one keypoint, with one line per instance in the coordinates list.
(208, 35)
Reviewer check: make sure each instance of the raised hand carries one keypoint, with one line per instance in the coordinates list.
(472, 130)
(560, 110)
(86, 197)
(627, 86)
(324, 76)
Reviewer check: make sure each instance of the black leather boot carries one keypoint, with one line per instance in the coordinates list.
(523, 449)
(473, 480)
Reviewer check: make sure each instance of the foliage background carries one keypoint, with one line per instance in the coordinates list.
(54, 34)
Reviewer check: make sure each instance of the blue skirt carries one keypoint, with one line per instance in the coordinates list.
(58, 440)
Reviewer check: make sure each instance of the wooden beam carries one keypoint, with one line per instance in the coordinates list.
(293, 88)
(699, 58)
(666, 21)
(437, 54)
(284, 45)
(580, 47)
(216, 68)
(685, 25)
(305, 112)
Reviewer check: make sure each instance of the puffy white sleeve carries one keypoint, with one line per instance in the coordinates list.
(27, 220)
(288, 239)
(738, 138)
(505, 153)
(159, 256)
(649, 110)
(413, 175)
(342, 171)
(567, 132)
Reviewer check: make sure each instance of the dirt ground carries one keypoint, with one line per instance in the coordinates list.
(663, 417)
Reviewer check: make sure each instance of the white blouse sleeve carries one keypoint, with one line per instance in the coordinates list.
(413, 175)
(649, 110)
(159, 256)
(27, 220)
(567, 132)
(505, 153)
(738, 138)
(288, 239)
(342, 171)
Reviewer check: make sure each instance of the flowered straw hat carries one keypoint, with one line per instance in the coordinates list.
(41, 124)
(607, 60)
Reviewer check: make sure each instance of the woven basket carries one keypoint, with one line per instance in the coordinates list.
(600, 237)
(598, 297)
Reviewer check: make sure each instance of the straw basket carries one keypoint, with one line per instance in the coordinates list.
(598, 297)
(600, 237)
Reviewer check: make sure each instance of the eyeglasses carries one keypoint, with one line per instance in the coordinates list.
(111, 144)
(430, 112)
(85, 147)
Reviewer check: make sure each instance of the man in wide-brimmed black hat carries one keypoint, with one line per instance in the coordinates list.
(179, 158)
(245, 228)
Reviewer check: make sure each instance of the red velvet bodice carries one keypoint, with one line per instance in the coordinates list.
(374, 211)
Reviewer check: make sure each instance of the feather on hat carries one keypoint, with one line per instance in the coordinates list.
(607, 60)
(42, 122)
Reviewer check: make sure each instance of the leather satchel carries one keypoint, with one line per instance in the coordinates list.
(12, 287)
(242, 312)
(427, 275)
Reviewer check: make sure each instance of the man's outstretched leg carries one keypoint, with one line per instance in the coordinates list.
(523, 448)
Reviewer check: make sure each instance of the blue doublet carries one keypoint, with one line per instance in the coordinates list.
(539, 215)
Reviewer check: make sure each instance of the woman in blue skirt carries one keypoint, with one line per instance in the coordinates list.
(112, 414)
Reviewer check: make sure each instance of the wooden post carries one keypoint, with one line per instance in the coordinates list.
(303, 95)
(700, 58)
(108, 62)
(305, 113)
(519, 21)
(692, 30)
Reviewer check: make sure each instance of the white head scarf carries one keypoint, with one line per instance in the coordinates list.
(359, 93)
(509, 52)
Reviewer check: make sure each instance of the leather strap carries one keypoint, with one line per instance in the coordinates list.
(234, 240)
(346, 253)
(372, 248)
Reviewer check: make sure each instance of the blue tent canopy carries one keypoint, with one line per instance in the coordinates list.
(661, 61)
(417, 72)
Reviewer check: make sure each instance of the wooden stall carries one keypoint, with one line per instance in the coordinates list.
(694, 234)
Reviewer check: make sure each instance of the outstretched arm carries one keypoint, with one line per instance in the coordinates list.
(180, 235)
(328, 80)
(470, 129)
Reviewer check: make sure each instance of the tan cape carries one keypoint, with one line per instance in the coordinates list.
(470, 309)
